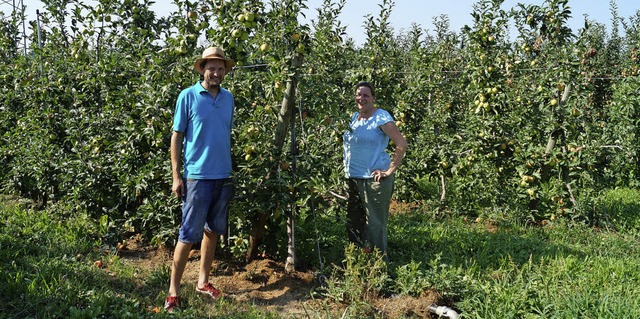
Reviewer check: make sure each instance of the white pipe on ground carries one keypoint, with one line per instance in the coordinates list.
(443, 311)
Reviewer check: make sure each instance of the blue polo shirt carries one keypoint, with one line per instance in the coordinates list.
(206, 123)
(365, 145)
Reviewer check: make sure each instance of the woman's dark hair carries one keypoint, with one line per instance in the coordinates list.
(366, 84)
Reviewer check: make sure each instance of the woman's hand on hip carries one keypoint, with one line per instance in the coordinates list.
(379, 174)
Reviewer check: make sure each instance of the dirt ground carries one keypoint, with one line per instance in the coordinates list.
(264, 283)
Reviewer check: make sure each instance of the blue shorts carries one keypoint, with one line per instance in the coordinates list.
(204, 206)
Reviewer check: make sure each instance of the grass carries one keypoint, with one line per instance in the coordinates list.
(47, 271)
(512, 271)
(482, 270)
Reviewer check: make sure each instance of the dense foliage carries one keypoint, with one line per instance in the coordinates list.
(530, 126)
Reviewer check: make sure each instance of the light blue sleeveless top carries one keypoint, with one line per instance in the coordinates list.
(365, 145)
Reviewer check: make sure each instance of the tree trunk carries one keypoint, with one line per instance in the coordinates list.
(256, 235)
(284, 118)
(555, 137)
(443, 194)
(290, 265)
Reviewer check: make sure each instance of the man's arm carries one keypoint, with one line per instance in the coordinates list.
(176, 161)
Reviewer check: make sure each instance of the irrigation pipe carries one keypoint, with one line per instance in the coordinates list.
(443, 311)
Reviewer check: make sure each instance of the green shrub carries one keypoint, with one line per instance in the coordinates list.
(410, 279)
(618, 209)
(363, 277)
(427, 188)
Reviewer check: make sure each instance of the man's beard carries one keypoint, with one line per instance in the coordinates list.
(212, 83)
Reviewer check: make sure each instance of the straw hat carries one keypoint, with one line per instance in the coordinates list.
(213, 53)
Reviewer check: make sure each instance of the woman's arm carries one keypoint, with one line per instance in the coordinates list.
(401, 145)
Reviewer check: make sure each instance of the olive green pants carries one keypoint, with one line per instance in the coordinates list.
(368, 211)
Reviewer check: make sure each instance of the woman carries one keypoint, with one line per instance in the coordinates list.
(370, 170)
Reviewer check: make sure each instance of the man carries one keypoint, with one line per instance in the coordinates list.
(202, 134)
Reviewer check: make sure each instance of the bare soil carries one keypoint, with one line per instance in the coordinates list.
(265, 283)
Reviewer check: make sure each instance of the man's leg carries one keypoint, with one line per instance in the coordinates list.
(208, 250)
(222, 192)
(180, 257)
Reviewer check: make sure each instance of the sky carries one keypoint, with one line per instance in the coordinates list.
(422, 12)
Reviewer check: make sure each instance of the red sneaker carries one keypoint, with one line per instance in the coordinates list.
(171, 302)
(209, 289)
